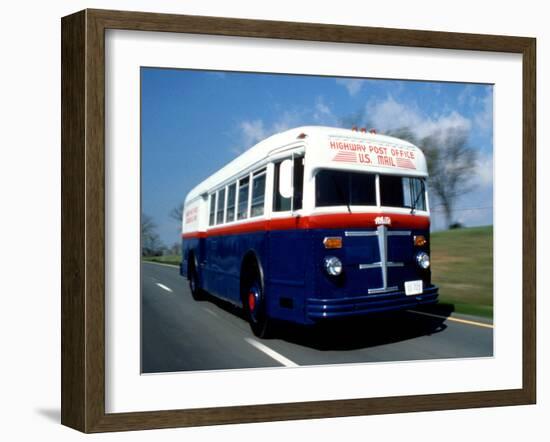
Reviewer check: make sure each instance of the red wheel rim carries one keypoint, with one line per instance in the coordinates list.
(251, 301)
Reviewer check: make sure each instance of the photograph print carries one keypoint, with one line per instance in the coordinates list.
(302, 220)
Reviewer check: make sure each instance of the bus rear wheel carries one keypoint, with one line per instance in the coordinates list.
(196, 292)
(254, 302)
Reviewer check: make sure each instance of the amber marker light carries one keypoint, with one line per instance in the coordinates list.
(420, 240)
(333, 242)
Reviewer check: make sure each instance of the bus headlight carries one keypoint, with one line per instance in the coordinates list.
(333, 266)
(423, 260)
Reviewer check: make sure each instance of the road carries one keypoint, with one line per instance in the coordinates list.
(180, 334)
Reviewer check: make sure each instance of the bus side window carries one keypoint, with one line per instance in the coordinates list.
(231, 194)
(221, 206)
(212, 209)
(280, 203)
(242, 211)
(258, 193)
(298, 182)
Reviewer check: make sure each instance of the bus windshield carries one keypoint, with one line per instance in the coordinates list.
(401, 191)
(344, 188)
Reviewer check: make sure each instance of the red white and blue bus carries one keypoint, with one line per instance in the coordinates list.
(310, 224)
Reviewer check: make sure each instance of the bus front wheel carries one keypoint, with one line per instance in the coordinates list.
(255, 308)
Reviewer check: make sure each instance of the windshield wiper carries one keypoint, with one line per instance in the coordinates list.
(341, 192)
(413, 206)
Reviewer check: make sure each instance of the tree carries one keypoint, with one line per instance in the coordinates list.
(177, 212)
(451, 163)
(175, 249)
(151, 244)
(404, 133)
(356, 119)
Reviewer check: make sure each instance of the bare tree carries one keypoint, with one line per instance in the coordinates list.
(150, 240)
(177, 212)
(404, 133)
(175, 249)
(148, 226)
(451, 163)
(356, 119)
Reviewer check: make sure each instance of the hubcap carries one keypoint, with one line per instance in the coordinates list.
(253, 302)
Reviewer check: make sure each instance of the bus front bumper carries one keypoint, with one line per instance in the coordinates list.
(359, 305)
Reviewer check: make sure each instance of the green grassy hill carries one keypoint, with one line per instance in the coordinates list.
(462, 267)
(165, 259)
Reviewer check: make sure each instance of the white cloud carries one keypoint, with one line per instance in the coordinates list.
(218, 74)
(443, 124)
(467, 97)
(484, 118)
(321, 109)
(353, 86)
(484, 169)
(252, 131)
(287, 120)
(390, 114)
(322, 113)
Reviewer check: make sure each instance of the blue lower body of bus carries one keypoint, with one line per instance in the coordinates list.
(296, 286)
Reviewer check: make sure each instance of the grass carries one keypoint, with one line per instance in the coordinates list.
(165, 259)
(462, 267)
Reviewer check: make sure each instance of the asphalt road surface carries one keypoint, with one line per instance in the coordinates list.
(180, 334)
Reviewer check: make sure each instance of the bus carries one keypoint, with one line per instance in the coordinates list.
(311, 224)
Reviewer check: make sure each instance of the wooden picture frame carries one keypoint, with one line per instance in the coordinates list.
(83, 219)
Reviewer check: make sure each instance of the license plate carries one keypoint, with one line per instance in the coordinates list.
(413, 287)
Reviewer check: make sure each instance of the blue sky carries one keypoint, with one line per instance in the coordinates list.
(194, 122)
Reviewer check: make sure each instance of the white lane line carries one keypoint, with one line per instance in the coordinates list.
(450, 318)
(161, 264)
(271, 353)
(163, 287)
(212, 313)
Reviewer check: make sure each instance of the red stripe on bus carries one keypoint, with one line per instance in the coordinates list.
(351, 220)
(327, 221)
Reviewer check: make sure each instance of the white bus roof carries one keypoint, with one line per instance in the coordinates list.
(328, 147)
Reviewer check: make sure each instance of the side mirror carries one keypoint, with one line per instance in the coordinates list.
(285, 179)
